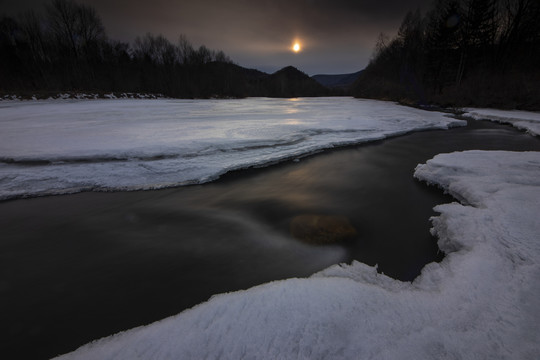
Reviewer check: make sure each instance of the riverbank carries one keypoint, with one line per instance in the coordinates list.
(481, 301)
(105, 262)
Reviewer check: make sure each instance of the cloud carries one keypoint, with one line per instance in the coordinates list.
(337, 35)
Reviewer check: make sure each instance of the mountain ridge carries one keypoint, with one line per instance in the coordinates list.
(337, 80)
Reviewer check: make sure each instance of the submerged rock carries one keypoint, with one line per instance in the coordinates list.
(321, 229)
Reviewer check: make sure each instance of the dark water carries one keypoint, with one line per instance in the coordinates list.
(79, 267)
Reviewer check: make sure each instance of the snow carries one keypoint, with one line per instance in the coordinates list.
(81, 96)
(65, 146)
(524, 120)
(480, 302)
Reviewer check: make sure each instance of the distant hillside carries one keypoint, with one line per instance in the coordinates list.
(336, 81)
(45, 53)
(231, 80)
(291, 82)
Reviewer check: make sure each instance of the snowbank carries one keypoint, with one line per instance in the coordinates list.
(82, 96)
(63, 146)
(524, 120)
(480, 302)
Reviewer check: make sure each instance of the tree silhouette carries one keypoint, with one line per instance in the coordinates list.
(468, 52)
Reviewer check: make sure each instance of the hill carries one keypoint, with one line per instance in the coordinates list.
(337, 80)
(291, 82)
(222, 79)
(47, 53)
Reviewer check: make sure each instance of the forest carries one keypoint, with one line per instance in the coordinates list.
(461, 53)
(65, 49)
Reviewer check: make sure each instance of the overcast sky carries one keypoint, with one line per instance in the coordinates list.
(337, 36)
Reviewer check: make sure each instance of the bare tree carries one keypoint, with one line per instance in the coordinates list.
(32, 27)
(186, 50)
(156, 49)
(381, 44)
(221, 57)
(89, 29)
(63, 24)
(203, 55)
(76, 27)
(521, 25)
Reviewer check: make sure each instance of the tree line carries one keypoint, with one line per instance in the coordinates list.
(66, 48)
(462, 52)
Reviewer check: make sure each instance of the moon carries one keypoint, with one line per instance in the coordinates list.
(296, 47)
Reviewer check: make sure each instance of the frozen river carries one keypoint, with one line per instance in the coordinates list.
(78, 267)
(66, 146)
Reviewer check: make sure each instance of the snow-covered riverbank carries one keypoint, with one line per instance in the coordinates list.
(524, 120)
(481, 301)
(65, 146)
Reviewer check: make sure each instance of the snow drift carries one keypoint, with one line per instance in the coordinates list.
(523, 120)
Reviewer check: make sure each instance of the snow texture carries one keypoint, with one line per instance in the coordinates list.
(81, 96)
(64, 146)
(481, 302)
(523, 120)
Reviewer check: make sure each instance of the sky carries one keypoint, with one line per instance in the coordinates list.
(336, 36)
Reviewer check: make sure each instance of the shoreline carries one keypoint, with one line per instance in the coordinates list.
(488, 270)
(106, 235)
(240, 170)
(188, 142)
(467, 114)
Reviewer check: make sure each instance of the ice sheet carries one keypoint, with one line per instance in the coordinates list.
(62, 146)
(480, 302)
(524, 120)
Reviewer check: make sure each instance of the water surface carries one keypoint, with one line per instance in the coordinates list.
(78, 267)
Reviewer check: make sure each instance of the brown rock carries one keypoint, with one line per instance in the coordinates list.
(321, 229)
